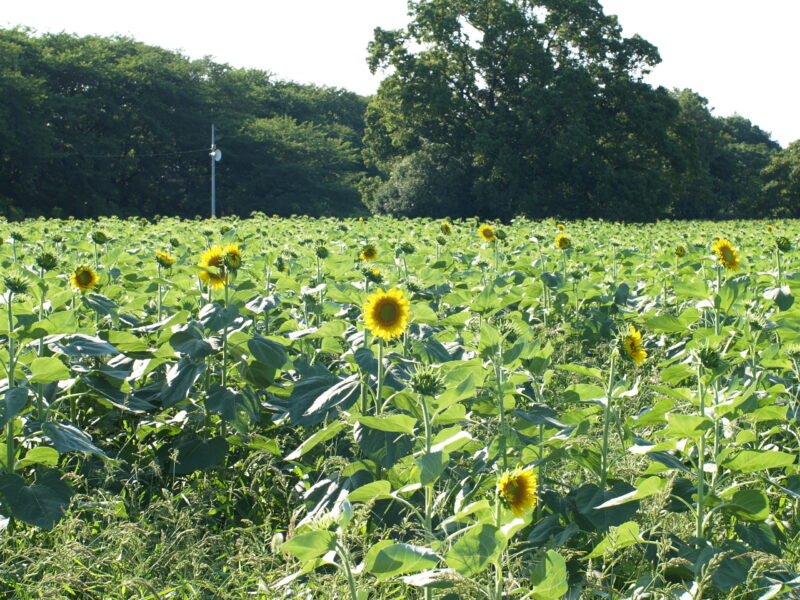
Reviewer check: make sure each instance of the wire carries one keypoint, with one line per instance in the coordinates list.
(127, 155)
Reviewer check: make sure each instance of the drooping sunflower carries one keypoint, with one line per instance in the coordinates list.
(632, 344)
(233, 257)
(486, 232)
(212, 261)
(518, 489)
(165, 259)
(726, 254)
(445, 228)
(562, 242)
(386, 313)
(83, 278)
(560, 226)
(368, 252)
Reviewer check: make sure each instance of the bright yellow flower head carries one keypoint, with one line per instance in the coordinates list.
(561, 226)
(83, 279)
(165, 259)
(486, 232)
(632, 344)
(233, 257)
(518, 488)
(386, 313)
(562, 242)
(446, 228)
(769, 228)
(726, 254)
(212, 261)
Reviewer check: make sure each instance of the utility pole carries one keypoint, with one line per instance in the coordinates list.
(214, 159)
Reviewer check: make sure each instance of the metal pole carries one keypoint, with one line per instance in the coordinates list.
(213, 174)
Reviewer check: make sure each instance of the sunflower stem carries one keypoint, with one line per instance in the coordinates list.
(498, 375)
(10, 449)
(379, 390)
(344, 555)
(159, 292)
(780, 270)
(701, 450)
(428, 488)
(717, 323)
(607, 422)
(40, 351)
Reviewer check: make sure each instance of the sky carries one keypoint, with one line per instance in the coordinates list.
(739, 54)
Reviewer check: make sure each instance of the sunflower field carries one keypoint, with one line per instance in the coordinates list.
(399, 409)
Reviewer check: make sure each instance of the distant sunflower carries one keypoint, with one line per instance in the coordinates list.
(212, 261)
(83, 279)
(446, 228)
(486, 232)
(233, 257)
(680, 251)
(632, 344)
(726, 254)
(165, 259)
(518, 489)
(769, 228)
(369, 252)
(386, 313)
(562, 242)
(560, 226)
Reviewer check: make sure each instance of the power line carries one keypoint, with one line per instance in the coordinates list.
(128, 155)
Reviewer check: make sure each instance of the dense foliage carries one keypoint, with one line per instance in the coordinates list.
(399, 408)
(97, 126)
(537, 107)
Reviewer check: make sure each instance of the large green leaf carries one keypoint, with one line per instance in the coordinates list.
(41, 504)
(476, 549)
(13, 401)
(310, 544)
(386, 559)
(549, 577)
(268, 352)
(48, 369)
(750, 461)
(66, 437)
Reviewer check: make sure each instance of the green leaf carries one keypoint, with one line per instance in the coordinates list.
(310, 544)
(749, 505)
(41, 504)
(666, 323)
(83, 346)
(582, 370)
(393, 423)
(66, 437)
(40, 455)
(549, 577)
(750, 461)
(370, 491)
(268, 352)
(476, 549)
(320, 436)
(12, 403)
(674, 374)
(431, 466)
(48, 369)
(686, 426)
(616, 539)
(386, 559)
(197, 455)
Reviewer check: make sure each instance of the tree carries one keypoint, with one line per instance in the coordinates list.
(541, 101)
(782, 181)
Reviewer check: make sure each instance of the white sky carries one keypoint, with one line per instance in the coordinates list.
(737, 53)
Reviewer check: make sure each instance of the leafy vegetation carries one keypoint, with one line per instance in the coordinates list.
(399, 408)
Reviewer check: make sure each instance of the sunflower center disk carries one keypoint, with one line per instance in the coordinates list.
(388, 313)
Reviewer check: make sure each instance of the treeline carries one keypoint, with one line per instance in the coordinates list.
(95, 126)
(504, 107)
(489, 108)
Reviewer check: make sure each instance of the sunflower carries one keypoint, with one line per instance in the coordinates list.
(632, 344)
(486, 232)
(83, 278)
(386, 313)
(212, 261)
(562, 242)
(560, 226)
(769, 228)
(680, 251)
(233, 257)
(369, 252)
(726, 254)
(518, 488)
(783, 244)
(165, 259)
(446, 228)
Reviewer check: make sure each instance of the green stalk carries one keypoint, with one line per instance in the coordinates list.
(701, 450)
(10, 450)
(717, 324)
(607, 422)
(224, 354)
(498, 566)
(379, 391)
(498, 375)
(780, 270)
(428, 488)
(345, 557)
(40, 352)
(159, 292)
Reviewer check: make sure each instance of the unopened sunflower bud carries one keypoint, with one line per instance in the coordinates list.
(427, 381)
